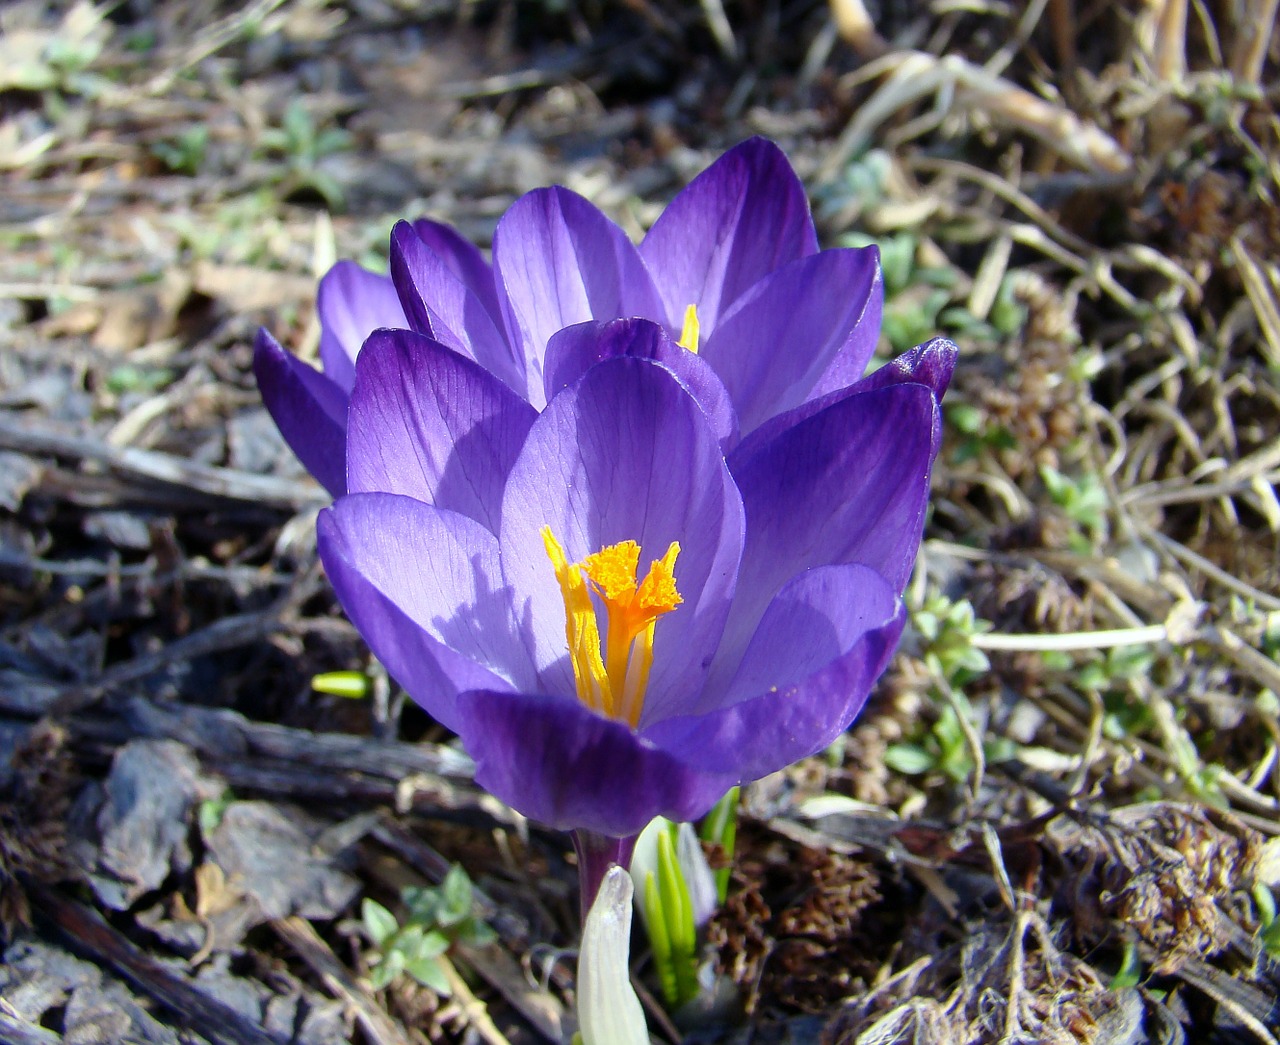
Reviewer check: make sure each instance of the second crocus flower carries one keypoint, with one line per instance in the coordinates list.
(730, 272)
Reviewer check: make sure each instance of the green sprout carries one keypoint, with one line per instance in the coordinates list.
(1129, 974)
(303, 146)
(1269, 924)
(437, 918)
(354, 685)
(720, 827)
(668, 915)
(210, 812)
(186, 153)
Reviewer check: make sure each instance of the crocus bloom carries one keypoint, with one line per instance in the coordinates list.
(617, 621)
(730, 271)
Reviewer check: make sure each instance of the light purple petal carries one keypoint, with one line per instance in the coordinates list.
(442, 307)
(820, 646)
(558, 261)
(848, 485)
(740, 219)
(431, 424)
(929, 364)
(424, 588)
(625, 454)
(567, 767)
(575, 350)
(352, 303)
(309, 409)
(779, 338)
(464, 260)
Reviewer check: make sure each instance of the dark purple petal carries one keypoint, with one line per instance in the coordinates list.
(850, 362)
(442, 307)
(929, 364)
(848, 485)
(558, 261)
(424, 589)
(574, 350)
(464, 260)
(431, 424)
(740, 219)
(625, 454)
(820, 646)
(774, 343)
(567, 767)
(308, 408)
(352, 303)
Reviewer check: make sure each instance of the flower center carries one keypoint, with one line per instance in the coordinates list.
(611, 675)
(689, 335)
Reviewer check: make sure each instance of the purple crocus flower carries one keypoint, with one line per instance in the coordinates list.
(730, 272)
(618, 621)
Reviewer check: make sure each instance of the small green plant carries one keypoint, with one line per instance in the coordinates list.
(186, 153)
(58, 60)
(436, 918)
(1083, 501)
(946, 748)
(127, 378)
(977, 434)
(210, 812)
(946, 628)
(1269, 924)
(302, 146)
(245, 230)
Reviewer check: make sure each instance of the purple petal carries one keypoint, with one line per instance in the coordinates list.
(850, 363)
(820, 646)
(424, 589)
(739, 220)
(431, 424)
(848, 485)
(574, 350)
(567, 767)
(625, 454)
(464, 260)
(929, 364)
(442, 307)
(774, 343)
(558, 261)
(309, 409)
(352, 303)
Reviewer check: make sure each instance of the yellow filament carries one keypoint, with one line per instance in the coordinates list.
(613, 679)
(689, 335)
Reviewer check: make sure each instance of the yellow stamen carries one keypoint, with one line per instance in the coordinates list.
(689, 335)
(612, 679)
(580, 629)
